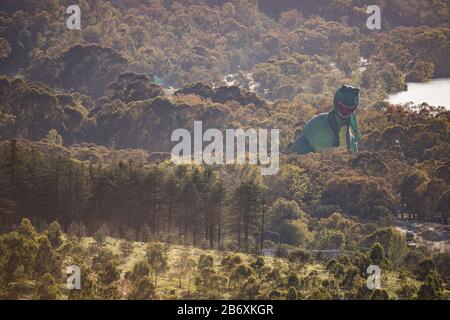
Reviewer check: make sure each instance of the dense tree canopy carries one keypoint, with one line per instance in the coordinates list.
(86, 118)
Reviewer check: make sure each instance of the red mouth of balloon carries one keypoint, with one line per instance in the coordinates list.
(343, 109)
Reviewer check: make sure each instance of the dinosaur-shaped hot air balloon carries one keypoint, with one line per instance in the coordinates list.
(335, 129)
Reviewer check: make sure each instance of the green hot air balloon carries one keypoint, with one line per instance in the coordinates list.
(335, 129)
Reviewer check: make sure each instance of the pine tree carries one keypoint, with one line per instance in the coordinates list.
(248, 199)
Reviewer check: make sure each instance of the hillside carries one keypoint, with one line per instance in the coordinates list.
(124, 269)
(87, 118)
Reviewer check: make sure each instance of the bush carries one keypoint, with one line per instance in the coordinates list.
(379, 294)
(291, 294)
(55, 234)
(432, 288)
(299, 257)
(143, 290)
(77, 230)
(101, 234)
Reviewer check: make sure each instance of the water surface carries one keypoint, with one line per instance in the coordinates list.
(435, 93)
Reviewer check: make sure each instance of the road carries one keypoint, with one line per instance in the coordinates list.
(432, 235)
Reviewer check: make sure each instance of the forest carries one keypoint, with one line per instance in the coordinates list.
(86, 118)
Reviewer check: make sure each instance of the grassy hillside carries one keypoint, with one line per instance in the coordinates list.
(314, 271)
(114, 268)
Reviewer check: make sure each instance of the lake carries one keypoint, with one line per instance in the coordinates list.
(435, 92)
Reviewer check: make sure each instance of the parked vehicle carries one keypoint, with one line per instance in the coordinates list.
(410, 236)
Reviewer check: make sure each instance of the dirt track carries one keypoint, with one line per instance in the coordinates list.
(432, 235)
